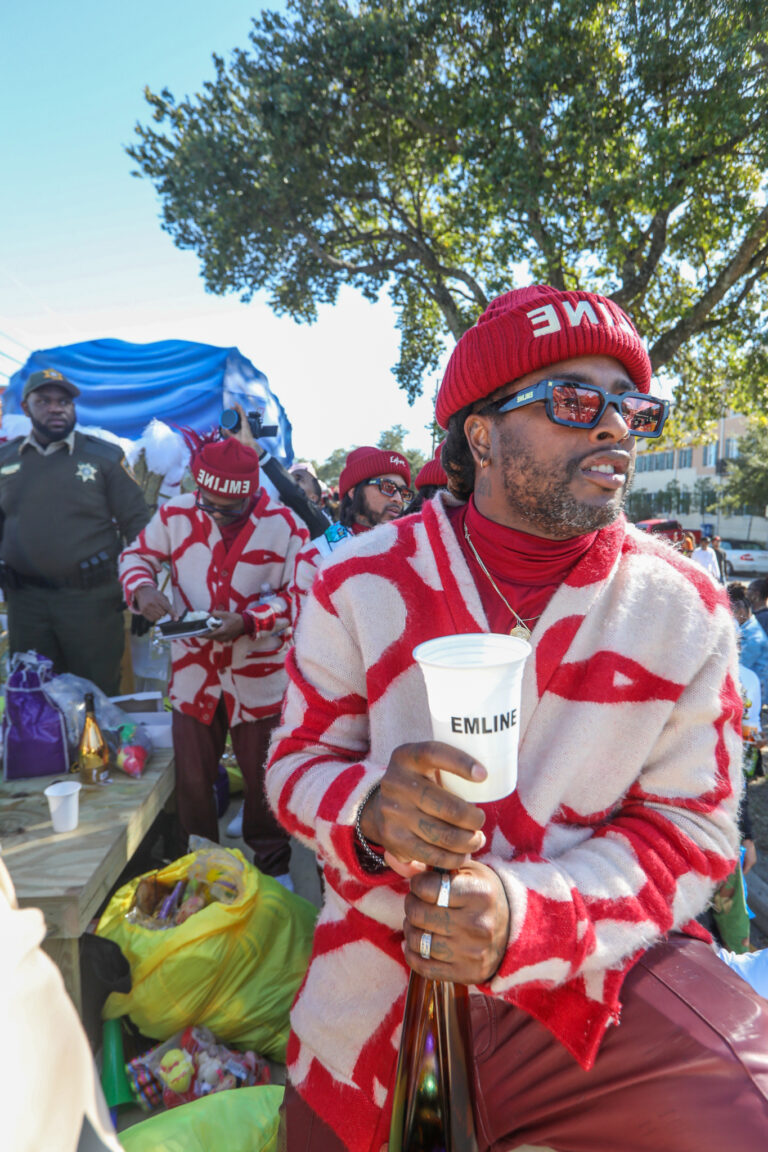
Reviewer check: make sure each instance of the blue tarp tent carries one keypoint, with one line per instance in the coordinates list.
(123, 386)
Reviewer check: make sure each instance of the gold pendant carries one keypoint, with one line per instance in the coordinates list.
(521, 630)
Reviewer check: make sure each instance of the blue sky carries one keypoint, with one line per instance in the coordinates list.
(82, 253)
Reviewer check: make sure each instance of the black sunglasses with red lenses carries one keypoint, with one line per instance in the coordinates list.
(389, 488)
(577, 405)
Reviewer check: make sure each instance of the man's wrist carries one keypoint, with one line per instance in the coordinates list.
(372, 852)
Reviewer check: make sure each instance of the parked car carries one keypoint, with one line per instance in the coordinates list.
(744, 558)
(672, 529)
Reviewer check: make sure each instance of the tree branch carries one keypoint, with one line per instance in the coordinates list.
(692, 320)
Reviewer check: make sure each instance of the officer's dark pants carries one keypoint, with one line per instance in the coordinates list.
(81, 631)
(686, 1070)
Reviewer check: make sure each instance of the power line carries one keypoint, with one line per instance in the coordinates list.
(12, 359)
(13, 340)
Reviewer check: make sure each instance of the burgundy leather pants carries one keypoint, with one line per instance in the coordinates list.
(686, 1070)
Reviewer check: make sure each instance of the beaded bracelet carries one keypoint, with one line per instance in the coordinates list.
(359, 832)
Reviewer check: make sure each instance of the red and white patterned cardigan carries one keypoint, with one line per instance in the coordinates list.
(623, 820)
(250, 672)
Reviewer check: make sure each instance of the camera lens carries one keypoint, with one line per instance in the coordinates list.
(230, 419)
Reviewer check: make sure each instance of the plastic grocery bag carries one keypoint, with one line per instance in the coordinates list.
(242, 1121)
(234, 968)
(129, 744)
(34, 736)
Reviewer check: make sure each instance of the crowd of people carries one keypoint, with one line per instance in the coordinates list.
(601, 1015)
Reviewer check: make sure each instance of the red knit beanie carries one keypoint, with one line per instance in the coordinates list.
(365, 463)
(432, 473)
(529, 328)
(226, 468)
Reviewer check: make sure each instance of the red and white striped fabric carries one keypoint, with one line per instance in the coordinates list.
(624, 817)
(249, 672)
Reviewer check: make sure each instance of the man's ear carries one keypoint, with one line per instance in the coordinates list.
(478, 434)
(25, 407)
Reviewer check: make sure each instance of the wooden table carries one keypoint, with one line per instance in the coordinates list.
(69, 875)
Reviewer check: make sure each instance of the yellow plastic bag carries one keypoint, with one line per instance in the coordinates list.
(240, 1120)
(235, 776)
(234, 968)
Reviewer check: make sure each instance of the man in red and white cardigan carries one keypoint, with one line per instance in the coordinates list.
(232, 553)
(572, 902)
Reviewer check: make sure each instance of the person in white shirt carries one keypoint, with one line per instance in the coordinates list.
(705, 556)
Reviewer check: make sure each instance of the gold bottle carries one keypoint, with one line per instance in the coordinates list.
(433, 1095)
(92, 752)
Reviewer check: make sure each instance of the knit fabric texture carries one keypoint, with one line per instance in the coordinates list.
(530, 328)
(226, 467)
(249, 672)
(365, 463)
(432, 473)
(622, 823)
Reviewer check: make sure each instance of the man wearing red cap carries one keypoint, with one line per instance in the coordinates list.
(374, 488)
(232, 554)
(429, 480)
(600, 1016)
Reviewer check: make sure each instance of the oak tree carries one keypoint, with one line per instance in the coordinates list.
(444, 150)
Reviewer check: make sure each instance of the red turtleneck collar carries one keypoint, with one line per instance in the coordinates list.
(527, 569)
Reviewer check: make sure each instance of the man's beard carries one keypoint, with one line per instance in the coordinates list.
(372, 518)
(49, 435)
(546, 500)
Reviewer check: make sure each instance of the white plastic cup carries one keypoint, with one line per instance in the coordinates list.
(473, 685)
(63, 799)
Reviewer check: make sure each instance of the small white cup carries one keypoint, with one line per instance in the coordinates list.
(63, 799)
(473, 687)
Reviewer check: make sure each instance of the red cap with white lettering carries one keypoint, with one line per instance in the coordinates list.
(367, 463)
(226, 468)
(530, 328)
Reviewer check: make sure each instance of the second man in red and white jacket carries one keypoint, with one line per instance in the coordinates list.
(232, 553)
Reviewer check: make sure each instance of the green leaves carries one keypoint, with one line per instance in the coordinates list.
(446, 151)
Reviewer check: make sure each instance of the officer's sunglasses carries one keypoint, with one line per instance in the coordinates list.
(389, 488)
(582, 406)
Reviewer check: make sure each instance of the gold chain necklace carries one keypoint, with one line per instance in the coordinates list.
(520, 629)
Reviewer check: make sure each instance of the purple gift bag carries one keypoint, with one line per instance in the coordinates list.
(34, 736)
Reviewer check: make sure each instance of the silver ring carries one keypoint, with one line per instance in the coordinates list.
(425, 945)
(444, 894)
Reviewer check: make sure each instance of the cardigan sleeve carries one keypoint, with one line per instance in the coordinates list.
(277, 612)
(318, 771)
(651, 866)
(142, 560)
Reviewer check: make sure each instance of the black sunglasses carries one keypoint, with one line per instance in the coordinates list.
(389, 488)
(577, 405)
(215, 510)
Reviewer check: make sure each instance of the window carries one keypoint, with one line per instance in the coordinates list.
(663, 460)
(643, 463)
(685, 458)
(731, 448)
(710, 455)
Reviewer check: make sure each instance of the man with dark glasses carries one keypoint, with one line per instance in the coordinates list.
(374, 487)
(232, 554)
(600, 1017)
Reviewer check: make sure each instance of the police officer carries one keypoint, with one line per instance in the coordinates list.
(66, 500)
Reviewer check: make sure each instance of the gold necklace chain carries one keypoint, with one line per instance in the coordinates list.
(521, 628)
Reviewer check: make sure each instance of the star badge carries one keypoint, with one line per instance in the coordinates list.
(86, 472)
